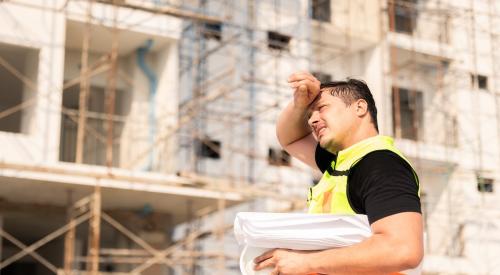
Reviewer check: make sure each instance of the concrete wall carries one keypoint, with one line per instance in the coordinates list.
(44, 32)
(57, 59)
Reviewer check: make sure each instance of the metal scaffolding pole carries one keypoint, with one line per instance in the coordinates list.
(84, 86)
(221, 258)
(94, 232)
(69, 238)
(251, 88)
(1, 239)
(393, 73)
(111, 89)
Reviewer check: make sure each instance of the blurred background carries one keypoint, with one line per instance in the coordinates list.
(133, 131)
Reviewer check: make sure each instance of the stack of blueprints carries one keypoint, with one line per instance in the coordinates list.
(258, 232)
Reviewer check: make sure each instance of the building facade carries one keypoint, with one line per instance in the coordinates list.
(177, 132)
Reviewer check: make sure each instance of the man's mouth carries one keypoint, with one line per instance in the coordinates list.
(320, 131)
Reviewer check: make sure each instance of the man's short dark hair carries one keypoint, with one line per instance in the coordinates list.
(351, 90)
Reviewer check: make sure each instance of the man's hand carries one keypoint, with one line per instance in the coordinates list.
(306, 88)
(292, 129)
(284, 261)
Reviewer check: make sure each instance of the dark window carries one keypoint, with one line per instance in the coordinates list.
(209, 148)
(407, 113)
(95, 138)
(14, 91)
(20, 268)
(277, 41)
(404, 15)
(322, 77)
(484, 185)
(278, 157)
(482, 81)
(321, 10)
(212, 31)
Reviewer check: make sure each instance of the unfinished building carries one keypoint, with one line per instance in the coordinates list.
(133, 131)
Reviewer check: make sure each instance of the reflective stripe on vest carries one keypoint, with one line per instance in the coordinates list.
(330, 194)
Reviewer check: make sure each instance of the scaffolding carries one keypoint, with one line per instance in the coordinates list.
(88, 209)
(450, 83)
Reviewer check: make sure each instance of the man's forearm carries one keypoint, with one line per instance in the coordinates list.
(372, 256)
(292, 124)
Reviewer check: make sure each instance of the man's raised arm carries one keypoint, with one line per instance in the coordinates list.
(294, 134)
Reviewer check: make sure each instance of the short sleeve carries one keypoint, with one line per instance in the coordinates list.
(383, 184)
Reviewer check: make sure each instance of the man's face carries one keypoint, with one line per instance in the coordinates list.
(331, 120)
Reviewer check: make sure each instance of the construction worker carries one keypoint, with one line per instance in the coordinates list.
(333, 127)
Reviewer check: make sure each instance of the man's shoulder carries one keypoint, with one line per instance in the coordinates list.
(381, 159)
(381, 165)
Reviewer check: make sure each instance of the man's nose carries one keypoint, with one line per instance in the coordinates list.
(313, 119)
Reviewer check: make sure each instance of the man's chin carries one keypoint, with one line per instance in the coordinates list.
(323, 143)
(327, 144)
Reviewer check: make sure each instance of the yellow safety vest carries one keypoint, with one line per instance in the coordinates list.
(329, 196)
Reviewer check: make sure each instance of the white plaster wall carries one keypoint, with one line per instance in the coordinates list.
(167, 101)
(44, 31)
(135, 139)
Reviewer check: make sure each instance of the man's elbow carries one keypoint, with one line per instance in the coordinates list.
(411, 257)
(282, 140)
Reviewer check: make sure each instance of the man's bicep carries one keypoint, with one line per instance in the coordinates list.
(404, 225)
(304, 150)
(404, 233)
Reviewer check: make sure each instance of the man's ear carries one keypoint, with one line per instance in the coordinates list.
(361, 107)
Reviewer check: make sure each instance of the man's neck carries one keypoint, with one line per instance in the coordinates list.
(360, 135)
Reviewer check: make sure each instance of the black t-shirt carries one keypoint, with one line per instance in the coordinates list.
(379, 185)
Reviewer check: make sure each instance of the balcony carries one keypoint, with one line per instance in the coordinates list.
(415, 26)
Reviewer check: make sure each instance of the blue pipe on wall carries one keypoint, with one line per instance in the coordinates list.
(153, 84)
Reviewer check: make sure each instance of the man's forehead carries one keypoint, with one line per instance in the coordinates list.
(315, 102)
(323, 93)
